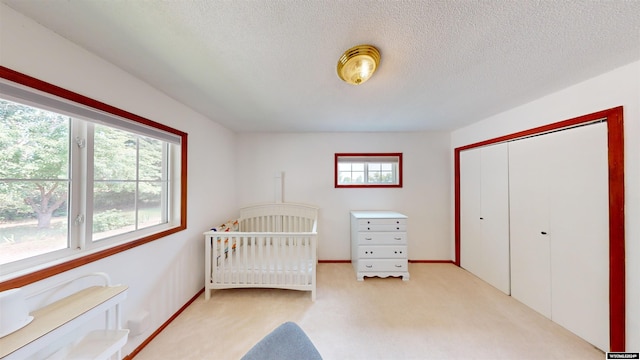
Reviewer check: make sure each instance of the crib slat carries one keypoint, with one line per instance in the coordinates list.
(258, 263)
(278, 269)
(242, 258)
(299, 260)
(276, 260)
(295, 262)
(286, 262)
(272, 259)
(208, 268)
(221, 258)
(218, 258)
(269, 257)
(265, 256)
(254, 258)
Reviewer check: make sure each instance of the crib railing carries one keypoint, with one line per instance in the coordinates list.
(275, 248)
(278, 223)
(261, 259)
(284, 217)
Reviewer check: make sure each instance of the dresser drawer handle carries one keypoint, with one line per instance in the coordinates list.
(398, 266)
(369, 266)
(397, 238)
(368, 238)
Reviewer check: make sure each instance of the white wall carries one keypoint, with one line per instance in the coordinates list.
(162, 275)
(308, 163)
(612, 89)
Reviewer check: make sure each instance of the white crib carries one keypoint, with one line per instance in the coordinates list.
(275, 247)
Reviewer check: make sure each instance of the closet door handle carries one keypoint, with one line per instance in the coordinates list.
(543, 232)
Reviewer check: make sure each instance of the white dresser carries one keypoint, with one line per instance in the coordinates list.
(379, 244)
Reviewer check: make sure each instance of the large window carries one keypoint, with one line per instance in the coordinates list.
(78, 180)
(35, 180)
(368, 170)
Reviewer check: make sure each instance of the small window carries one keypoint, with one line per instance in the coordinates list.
(368, 170)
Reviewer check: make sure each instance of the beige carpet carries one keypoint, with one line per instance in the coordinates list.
(443, 312)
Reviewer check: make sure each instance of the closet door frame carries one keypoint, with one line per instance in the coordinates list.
(615, 140)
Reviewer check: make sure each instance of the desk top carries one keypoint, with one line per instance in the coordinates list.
(378, 215)
(56, 314)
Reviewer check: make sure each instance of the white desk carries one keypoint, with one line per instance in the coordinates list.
(55, 320)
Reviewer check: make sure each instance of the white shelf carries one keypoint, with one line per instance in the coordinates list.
(52, 322)
(97, 345)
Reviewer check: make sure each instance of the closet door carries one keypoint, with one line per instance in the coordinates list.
(579, 233)
(470, 225)
(559, 228)
(484, 216)
(529, 223)
(495, 216)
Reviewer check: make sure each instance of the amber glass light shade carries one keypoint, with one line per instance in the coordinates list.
(358, 64)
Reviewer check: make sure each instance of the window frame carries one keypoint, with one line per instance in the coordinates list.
(43, 271)
(372, 156)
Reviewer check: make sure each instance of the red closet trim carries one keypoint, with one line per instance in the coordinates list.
(615, 130)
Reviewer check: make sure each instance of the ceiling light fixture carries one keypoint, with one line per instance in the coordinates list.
(357, 64)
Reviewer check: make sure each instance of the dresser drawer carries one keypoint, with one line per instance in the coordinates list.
(385, 252)
(383, 265)
(362, 222)
(382, 227)
(382, 238)
(382, 224)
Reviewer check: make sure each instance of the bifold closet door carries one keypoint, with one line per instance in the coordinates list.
(559, 228)
(579, 213)
(470, 225)
(529, 223)
(484, 215)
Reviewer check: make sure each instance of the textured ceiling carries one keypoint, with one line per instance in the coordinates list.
(270, 65)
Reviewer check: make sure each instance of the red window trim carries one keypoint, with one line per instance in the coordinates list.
(335, 172)
(26, 80)
(615, 129)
